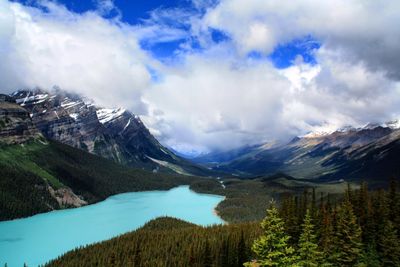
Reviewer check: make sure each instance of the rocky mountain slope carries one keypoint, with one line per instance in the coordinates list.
(115, 134)
(15, 125)
(368, 153)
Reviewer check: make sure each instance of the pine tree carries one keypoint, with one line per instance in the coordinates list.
(370, 257)
(347, 241)
(207, 258)
(309, 253)
(272, 247)
(394, 203)
(288, 213)
(313, 204)
(136, 257)
(326, 230)
(389, 245)
(364, 213)
(304, 206)
(241, 255)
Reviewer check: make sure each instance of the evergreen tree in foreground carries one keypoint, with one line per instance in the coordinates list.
(308, 250)
(347, 239)
(389, 245)
(272, 248)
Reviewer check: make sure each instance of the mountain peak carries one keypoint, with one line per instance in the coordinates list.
(112, 133)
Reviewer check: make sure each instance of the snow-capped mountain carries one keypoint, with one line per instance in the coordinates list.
(115, 134)
(371, 153)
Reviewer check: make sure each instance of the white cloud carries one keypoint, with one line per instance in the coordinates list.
(107, 7)
(217, 103)
(365, 30)
(82, 53)
(216, 97)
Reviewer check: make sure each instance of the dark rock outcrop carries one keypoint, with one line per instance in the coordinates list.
(15, 124)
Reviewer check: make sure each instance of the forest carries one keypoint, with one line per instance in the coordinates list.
(27, 170)
(359, 228)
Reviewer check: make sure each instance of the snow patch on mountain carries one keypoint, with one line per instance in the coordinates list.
(106, 115)
(394, 125)
(126, 126)
(34, 99)
(67, 103)
(74, 116)
(314, 134)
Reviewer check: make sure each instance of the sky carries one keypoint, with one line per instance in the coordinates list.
(212, 75)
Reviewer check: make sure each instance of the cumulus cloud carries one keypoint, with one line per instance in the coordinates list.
(337, 93)
(220, 104)
(216, 103)
(363, 30)
(212, 94)
(83, 53)
(356, 80)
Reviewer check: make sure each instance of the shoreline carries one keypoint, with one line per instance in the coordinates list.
(215, 212)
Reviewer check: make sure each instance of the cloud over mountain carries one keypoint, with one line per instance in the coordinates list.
(215, 93)
(85, 53)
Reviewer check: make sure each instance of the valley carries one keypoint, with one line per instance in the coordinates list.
(350, 154)
(199, 133)
(59, 151)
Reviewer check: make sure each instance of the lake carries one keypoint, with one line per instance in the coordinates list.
(40, 238)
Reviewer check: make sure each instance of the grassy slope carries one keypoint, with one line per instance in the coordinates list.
(26, 170)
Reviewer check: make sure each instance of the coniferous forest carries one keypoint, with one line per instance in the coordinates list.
(27, 171)
(359, 228)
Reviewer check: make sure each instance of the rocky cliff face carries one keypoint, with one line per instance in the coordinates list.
(15, 124)
(115, 134)
(18, 130)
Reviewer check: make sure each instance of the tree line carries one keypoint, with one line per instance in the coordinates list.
(169, 242)
(25, 172)
(362, 229)
(359, 228)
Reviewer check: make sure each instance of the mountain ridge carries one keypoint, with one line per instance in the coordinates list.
(115, 134)
(39, 175)
(345, 154)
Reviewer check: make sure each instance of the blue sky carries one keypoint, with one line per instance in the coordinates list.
(132, 11)
(137, 12)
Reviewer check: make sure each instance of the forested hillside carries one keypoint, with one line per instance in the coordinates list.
(247, 199)
(170, 242)
(40, 176)
(360, 228)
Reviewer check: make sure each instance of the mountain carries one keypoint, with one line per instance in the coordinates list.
(15, 123)
(38, 175)
(368, 153)
(115, 134)
(223, 156)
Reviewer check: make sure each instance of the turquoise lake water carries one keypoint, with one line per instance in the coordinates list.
(40, 238)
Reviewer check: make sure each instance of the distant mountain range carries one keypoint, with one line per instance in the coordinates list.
(114, 134)
(60, 150)
(369, 153)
